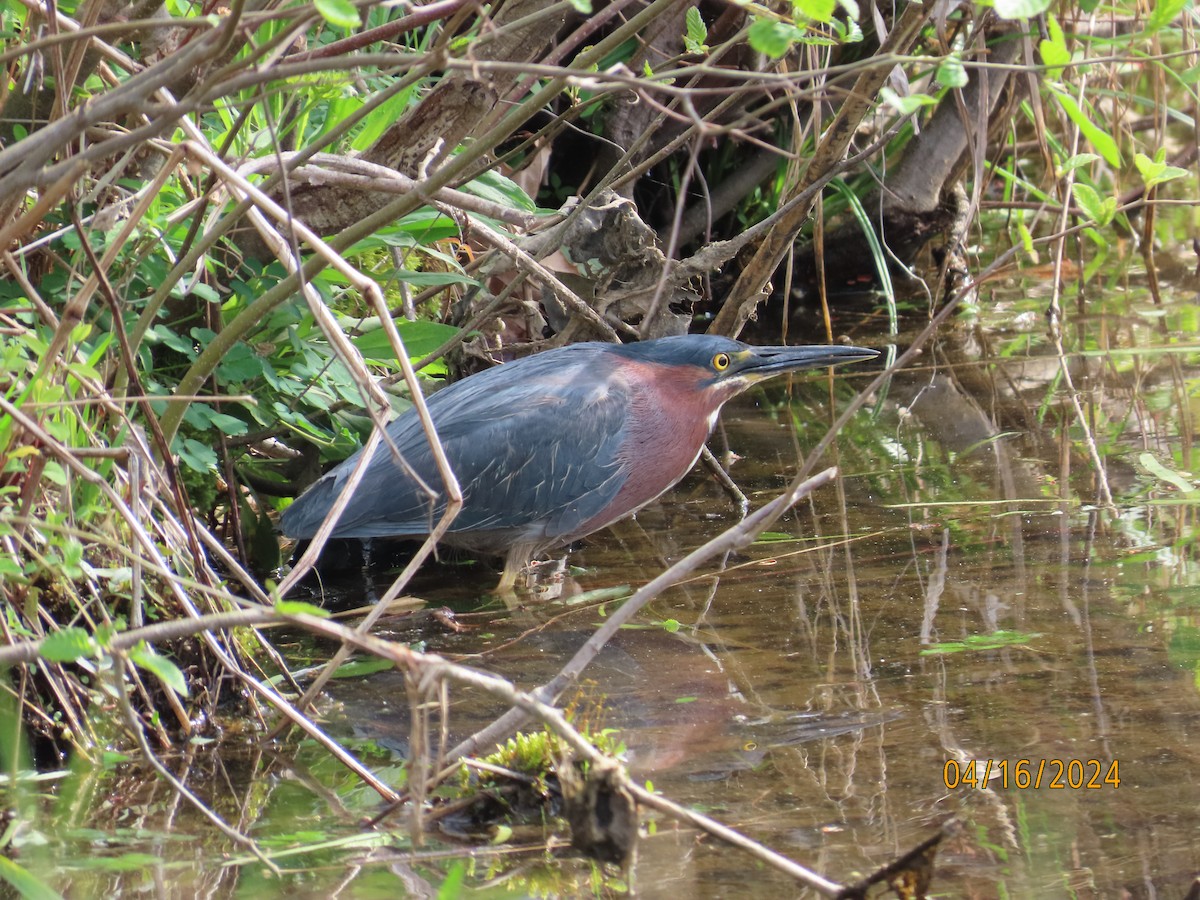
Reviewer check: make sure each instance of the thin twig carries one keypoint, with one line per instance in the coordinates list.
(135, 726)
(741, 534)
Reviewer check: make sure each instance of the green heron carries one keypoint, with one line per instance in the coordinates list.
(555, 446)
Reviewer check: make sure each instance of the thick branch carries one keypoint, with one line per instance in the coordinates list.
(747, 291)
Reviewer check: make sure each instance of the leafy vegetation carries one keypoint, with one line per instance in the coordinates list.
(213, 217)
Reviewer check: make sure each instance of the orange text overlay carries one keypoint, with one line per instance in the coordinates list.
(1032, 774)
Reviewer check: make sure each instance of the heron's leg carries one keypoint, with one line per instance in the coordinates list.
(368, 582)
(513, 564)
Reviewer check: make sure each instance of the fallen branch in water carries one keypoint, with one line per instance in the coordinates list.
(741, 534)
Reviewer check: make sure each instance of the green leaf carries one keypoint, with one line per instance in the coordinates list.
(227, 424)
(905, 105)
(847, 31)
(1164, 13)
(72, 558)
(339, 13)
(975, 642)
(144, 657)
(434, 279)
(452, 886)
(582, 6)
(773, 38)
(1077, 161)
(500, 189)
(1098, 138)
(1101, 243)
(176, 342)
(1099, 211)
(1021, 9)
(196, 456)
(816, 10)
(126, 862)
(420, 339)
(1156, 171)
(382, 118)
(696, 37)
(202, 336)
(950, 72)
(1054, 50)
(1054, 58)
(1148, 462)
(54, 473)
(25, 883)
(68, 645)
(1026, 238)
(239, 365)
(422, 227)
(359, 667)
(206, 292)
(774, 537)
(299, 608)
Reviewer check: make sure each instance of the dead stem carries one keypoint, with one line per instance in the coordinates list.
(119, 673)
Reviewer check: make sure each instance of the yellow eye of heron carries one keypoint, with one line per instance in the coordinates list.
(720, 362)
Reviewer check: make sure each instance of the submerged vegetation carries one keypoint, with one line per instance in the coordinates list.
(236, 238)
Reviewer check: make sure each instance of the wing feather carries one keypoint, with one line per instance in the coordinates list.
(536, 452)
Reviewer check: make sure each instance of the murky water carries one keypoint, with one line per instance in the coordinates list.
(957, 597)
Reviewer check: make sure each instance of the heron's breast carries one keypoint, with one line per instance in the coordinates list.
(665, 430)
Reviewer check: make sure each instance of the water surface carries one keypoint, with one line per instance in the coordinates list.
(959, 595)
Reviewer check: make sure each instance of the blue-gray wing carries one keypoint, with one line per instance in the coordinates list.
(535, 447)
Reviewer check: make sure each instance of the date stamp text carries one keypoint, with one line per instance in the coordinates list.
(1032, 774)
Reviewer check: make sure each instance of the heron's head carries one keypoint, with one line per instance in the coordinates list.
(720, 368)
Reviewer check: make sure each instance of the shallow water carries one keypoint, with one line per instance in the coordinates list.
(955, 598)
(957, 595)
(837, 636)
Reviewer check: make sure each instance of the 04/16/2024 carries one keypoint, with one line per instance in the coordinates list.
(1032, 774)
